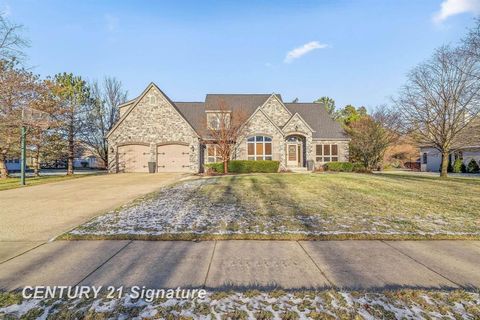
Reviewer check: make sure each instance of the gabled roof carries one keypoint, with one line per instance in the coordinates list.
(138, 99)
(313, 114)
(319, 120)
(296, 115)
(194, 113)
(247, 102)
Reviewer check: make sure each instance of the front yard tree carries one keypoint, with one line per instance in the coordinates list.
(74, 96)
(371, 136)
(102, 114)
(41, 130)
(440, 101)
(17, 87)
(225, 127)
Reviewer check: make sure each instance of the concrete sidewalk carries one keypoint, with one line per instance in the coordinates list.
(248, 264)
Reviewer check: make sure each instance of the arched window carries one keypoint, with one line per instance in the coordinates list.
(294, 139)
(259, 148)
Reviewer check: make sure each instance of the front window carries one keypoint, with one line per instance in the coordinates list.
(212, 154)
(259, 148)
(326, 152)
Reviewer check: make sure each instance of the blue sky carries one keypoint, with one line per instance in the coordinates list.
(357, 52)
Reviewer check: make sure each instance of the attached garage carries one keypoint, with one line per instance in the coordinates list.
(173, 158)
(133, 158)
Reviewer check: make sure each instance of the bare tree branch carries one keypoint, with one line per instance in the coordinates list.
(12, 43)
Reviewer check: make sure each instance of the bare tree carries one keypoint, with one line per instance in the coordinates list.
(12, 42)
(17, 91)
(102, 114)
(225, 127)
(440, 101)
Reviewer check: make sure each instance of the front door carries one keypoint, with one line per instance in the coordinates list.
(293, 155)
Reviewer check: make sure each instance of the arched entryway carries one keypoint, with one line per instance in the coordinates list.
(296, 151)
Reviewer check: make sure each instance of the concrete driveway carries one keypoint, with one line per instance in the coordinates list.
(31, 216)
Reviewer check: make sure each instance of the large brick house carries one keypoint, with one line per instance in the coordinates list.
(153, 128)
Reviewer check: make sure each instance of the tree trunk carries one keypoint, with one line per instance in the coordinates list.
(36, 163)
(444, 169)
(3, 168)
(225, 166)
(71, 152)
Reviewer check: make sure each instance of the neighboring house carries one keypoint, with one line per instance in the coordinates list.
(431, 158)
(153, 128)
(13, 164)
(86, 158)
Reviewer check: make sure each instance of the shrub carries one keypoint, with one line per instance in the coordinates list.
(473, 167)
(345, 167)
(246, 166)
(217, 167)
(339, 166)
(359, 167)
(457, 166)
(463, 168)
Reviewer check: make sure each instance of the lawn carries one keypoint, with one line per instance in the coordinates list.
(299, 206)
(13, 183)
(254, 304)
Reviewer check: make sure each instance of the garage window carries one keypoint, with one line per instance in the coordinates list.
(212, 154)
(259, 148)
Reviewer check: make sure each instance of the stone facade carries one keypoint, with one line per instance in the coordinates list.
(261, 125)
(276, 111)
(153, 121)
(296, 126)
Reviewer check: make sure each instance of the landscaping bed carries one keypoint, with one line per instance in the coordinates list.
(254, 304)
(298, 206)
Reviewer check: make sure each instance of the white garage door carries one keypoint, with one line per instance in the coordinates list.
(173, 158)
(133, 158)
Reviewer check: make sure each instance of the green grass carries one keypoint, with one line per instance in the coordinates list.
(331, 206)
(13, 183)
(401, 202)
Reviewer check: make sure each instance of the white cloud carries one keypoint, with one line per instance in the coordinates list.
(303, 50)
(450, 8)
(112, 22)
